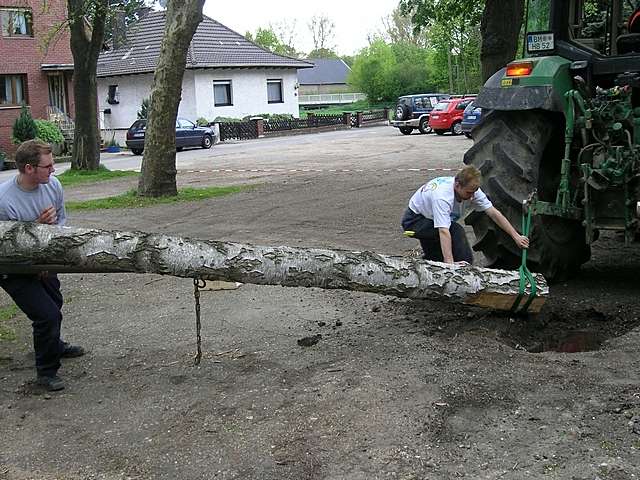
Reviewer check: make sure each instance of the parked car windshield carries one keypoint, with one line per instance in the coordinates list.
(469, 108)
(442, 106)
(184, 123)
(138, 124)
(462, 105)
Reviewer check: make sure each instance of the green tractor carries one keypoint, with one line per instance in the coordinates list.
(563, 124)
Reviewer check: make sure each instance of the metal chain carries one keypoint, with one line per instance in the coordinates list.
(198, 283)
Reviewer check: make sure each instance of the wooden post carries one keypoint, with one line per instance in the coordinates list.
(346, 118)
(359, 121)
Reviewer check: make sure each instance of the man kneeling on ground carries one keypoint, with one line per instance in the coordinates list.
(434, 211)
(34, 195)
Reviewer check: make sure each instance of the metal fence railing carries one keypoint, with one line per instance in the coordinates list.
(330, 98)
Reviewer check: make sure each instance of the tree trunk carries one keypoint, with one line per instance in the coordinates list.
(500, 29)
(450, 68)
(158, 174)
(85, 48)
(28, 247)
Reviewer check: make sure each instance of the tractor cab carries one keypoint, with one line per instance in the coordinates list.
(603, 33)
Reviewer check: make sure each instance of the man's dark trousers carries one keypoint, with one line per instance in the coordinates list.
(429, 237)
(40, 300)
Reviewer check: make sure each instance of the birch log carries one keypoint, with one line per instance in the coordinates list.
(29, 247)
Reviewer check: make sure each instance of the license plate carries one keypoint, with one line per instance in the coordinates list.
(138, 135)
(471, 117)
(539, 42)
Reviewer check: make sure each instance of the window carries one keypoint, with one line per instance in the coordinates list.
(274, 91)
(184, 123)
(16, 22)
(113, 97)
(222, 93)
(12, 90)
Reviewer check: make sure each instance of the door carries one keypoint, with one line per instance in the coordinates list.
(57, 93)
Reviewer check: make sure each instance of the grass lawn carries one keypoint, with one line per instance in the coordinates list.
(132, 200)
(75, 177)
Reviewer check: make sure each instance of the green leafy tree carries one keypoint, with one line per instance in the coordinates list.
(385, 71)
(499, 23)
(269, 39)
(322, 53)
(24, 128)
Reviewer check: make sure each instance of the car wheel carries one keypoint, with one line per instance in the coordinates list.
(406, 130)
(467, 134)
(136, 151)
(424, 126)
(439, 131)
(207, 141)
(456, 128)
(402, 112)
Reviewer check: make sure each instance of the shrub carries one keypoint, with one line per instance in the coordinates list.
(24, 128)
(48, 132)
(3, 157)
(202, 122)
(226, 119)
(143, 113)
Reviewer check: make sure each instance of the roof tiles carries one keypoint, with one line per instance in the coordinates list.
(213, 46)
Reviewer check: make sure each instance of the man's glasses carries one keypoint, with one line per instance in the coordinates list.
(48, 167)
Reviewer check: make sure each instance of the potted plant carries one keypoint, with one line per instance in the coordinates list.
(112, 145)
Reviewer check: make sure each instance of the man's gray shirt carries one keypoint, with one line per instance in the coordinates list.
(27, 205)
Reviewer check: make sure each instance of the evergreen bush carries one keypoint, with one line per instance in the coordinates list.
(48, 132)
(24, 128)
(202, 122)
(143, 113)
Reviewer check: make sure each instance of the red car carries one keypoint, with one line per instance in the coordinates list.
(447, 115)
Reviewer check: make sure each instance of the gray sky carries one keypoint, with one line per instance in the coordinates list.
(353, 19)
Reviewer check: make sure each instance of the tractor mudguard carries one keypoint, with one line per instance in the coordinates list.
(542, 89)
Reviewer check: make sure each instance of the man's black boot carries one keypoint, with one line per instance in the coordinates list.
(71, 351)
(50, 383)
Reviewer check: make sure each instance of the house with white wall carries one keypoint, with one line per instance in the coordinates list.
(226, 75)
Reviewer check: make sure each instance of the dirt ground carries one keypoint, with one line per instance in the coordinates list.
(393, 388)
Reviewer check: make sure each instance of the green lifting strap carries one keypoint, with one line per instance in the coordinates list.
(526, 278)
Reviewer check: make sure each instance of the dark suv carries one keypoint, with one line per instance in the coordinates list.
(413, 111)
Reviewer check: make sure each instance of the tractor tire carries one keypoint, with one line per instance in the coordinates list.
(406, 130)
(424, 126)
(518, 152)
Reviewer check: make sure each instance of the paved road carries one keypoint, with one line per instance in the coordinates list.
(372, 149)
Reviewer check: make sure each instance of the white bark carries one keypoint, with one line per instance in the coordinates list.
(28, 247)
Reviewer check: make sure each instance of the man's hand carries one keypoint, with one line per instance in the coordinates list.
(48, 216)
(521, 241)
